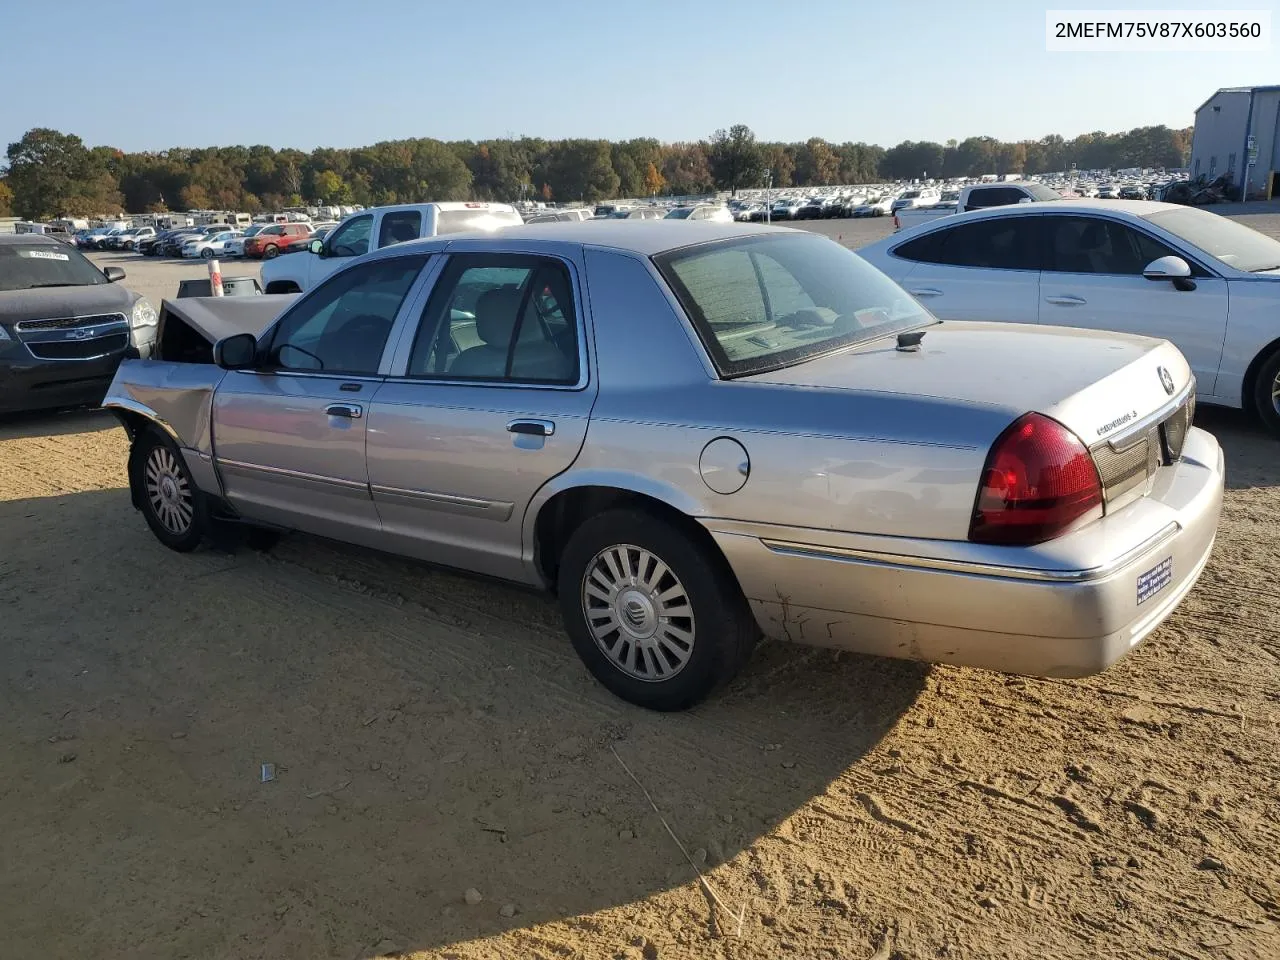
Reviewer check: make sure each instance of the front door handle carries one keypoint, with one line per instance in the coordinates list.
(351, 411)
(925, 292)
(534, 428)
(1066, 301)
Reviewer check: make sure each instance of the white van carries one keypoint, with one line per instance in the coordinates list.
(380, 227)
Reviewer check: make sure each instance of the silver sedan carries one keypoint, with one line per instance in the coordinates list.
(697, 434)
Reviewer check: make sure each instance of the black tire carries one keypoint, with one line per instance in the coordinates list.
(271, 252)
(720, 623)
(207, 253)
(261, 539)
(175, 511)
(1265, 398)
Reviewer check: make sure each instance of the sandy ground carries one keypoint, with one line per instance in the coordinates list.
(433, 733)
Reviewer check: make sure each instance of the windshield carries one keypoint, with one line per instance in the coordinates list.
(1039, 192)
(1226, 240)
(761, 303)
(26, 266)
(254, 230)
(680, 213)
(910, 195)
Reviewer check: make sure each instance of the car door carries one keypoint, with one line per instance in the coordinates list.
(1093, 279)
(289, 435)
(488, 399)
(982, 269)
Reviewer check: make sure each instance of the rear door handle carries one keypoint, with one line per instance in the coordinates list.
(351, 411)
(1066, 301)
(535, 428)
(925, 292)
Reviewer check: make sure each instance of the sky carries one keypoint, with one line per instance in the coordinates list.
(147, 75)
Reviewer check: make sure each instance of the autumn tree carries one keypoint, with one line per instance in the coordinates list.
(52, 173)
(735, 158)
(817, 163)
(6, 200)
(653, 181)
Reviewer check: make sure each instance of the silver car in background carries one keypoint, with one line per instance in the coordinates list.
(697, 434)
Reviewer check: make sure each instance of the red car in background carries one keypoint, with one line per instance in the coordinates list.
(268, 243)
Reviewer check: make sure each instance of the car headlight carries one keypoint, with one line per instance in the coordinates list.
(144, 314)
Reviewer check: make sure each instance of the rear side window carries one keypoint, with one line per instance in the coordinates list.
(996, 243)
(399, 226)
(504, 318)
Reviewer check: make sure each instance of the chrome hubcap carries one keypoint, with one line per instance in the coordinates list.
(1275, 394)
(638, 612)
(168, 491)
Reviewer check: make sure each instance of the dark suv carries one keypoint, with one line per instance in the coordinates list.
(65, 325)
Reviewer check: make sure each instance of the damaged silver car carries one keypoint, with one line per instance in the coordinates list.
(696, 434)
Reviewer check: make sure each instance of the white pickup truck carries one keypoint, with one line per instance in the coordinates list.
(379, 227)
(977, 197)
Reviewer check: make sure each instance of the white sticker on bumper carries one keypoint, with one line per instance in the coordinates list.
(1155, 580)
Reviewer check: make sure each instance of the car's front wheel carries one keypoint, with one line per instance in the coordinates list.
(166, 494)
(1266, 393)
(271, 252)
(657, 616)
(207, 253)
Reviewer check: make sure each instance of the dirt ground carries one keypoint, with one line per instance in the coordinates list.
(433, 734)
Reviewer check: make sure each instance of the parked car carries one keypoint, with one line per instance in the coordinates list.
(303, 244)
(108, 240)
(811, 209)
(172, 246)
(1133, 192)
(701, 211)
(129, 239)
(65, 325)
(209, 245)
(638, 213)
(980, 196)
(89, 241)
(908, 199)
(380, 227)
(749, 212)
(1108, 191)
(759, 443)
(875, 208)
(1147, 268)
(235, 246)
(267, 243)
(785, 208)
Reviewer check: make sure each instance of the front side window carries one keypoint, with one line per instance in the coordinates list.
(761, 303)
(352, 238)
(1096, 245)
(499, 318)
(343, 326)
(399, 226)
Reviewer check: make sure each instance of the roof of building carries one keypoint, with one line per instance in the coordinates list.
(1237, 90)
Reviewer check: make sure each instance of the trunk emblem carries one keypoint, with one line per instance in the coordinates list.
(1166, 379)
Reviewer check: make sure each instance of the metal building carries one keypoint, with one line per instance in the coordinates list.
(1227, 125)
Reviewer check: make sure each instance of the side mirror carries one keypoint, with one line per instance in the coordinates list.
(236, 352)
(112, 274)
(1171, 268)
(317, 247)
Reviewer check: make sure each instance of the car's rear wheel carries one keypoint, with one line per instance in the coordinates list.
(271, 252)
(1266, 393)
(162, 487)
(656, 616)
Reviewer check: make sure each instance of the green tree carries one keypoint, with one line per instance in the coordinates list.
(582, 170)
(51, 173)
(735, 158)
(6, 200)
(816, 163)
(331, 188)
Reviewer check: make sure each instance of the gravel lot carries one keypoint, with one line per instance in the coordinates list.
(433, 733)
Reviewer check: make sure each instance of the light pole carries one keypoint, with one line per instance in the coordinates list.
(768, 198)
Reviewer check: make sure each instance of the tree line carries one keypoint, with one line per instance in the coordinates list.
(50, 173)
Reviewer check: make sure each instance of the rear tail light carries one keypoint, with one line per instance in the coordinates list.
(1039, 481)
(897, 224)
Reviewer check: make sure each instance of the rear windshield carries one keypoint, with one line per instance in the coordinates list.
(910, 195)
(1233, 243)
(26, 267)
(459, 221)
(760, 303)
(1039, 192)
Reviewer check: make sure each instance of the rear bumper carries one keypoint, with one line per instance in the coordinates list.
(1065, 609)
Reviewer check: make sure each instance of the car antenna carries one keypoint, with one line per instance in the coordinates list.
(910, 342)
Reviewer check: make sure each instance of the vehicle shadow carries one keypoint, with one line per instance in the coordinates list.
(1252, 454)
(55, 423)
(429, 733)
